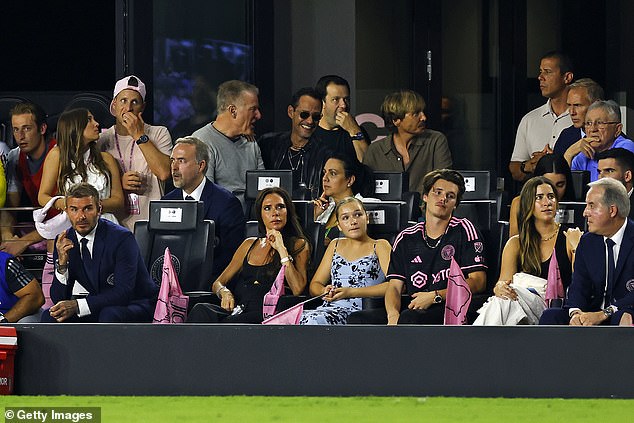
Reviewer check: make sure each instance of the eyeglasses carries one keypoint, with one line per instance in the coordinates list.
(598, 123)
(304, 115)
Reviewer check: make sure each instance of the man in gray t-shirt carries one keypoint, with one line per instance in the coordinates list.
(230, 137)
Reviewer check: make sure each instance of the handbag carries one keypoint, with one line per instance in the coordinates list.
(171, 306)
(271, 298)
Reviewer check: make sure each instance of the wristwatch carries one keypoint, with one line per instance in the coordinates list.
(3, 319)
(357, 136)
(608, 311)
(437, 298)
(142, 140)
(523, 168)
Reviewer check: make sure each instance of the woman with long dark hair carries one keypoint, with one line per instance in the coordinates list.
(555, 168)
(257, 261)
(76, 158)
(527, 256)
(342, 177)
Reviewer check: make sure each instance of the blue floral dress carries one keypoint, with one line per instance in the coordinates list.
(359, 273)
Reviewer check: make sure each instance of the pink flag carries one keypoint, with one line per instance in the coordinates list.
(458, 296)
(272, 297)
(554, 286)
(290, 316)
(171, 306)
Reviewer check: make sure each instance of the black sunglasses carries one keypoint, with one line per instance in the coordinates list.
(304, 115)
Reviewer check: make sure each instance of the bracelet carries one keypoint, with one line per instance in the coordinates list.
(222, 288)
(286, 259)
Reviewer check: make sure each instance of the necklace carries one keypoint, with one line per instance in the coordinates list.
(552, 235)
(437, 241)
(298, 156)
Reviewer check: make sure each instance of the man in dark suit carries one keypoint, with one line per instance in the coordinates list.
(189, 163)
(602, 291)
(99, 273)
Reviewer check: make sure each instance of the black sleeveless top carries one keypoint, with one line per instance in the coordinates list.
(253, 282)
(565, 268)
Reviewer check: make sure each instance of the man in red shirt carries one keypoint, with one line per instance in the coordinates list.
(24, 174)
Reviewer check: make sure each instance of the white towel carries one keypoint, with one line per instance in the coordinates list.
(53, 226)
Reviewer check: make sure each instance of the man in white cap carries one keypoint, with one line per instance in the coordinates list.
(142, 150)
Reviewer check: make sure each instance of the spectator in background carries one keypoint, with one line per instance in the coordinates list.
(24, 175)
(342, 177)
(76, 159)
(539, 129)
(141, 150)
(189, 163)
(338, 130)
(554, 168)
(581, 94)
(230, 137)
(410, 147)
(603, 128)
(618, 163)
(297, 150)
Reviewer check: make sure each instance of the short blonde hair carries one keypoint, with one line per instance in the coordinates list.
(397, 104)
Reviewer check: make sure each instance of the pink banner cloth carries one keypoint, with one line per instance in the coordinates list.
(171, 306)
(458, 296)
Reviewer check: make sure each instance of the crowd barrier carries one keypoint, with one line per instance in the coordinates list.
(145, 359)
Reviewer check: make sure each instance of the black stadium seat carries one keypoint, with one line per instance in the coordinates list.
(191, 240)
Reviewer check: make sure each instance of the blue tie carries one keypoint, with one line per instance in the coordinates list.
(611, 270)
(189, 198)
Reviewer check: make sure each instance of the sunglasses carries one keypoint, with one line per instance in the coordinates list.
(304, 115)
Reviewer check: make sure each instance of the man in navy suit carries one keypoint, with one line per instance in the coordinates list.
(99, 272)
(602, 289)
(189, 163)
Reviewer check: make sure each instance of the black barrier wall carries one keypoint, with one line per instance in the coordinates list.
(99, 359)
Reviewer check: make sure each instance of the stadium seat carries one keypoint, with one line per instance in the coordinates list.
(580, 181)
(258, 179)
(191, 241)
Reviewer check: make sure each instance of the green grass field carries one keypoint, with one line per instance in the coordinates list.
(330, 409)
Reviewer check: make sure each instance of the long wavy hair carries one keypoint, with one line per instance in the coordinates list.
(530, 239)
(293, 229)
(70, 141)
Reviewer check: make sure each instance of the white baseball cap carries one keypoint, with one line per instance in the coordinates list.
(131, 82)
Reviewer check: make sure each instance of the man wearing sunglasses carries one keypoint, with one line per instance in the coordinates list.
(603, 129)
(297, 150)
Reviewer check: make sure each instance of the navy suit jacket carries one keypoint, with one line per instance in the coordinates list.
(588, 280)
(567, 137)
(118, 276)
(225, 210)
